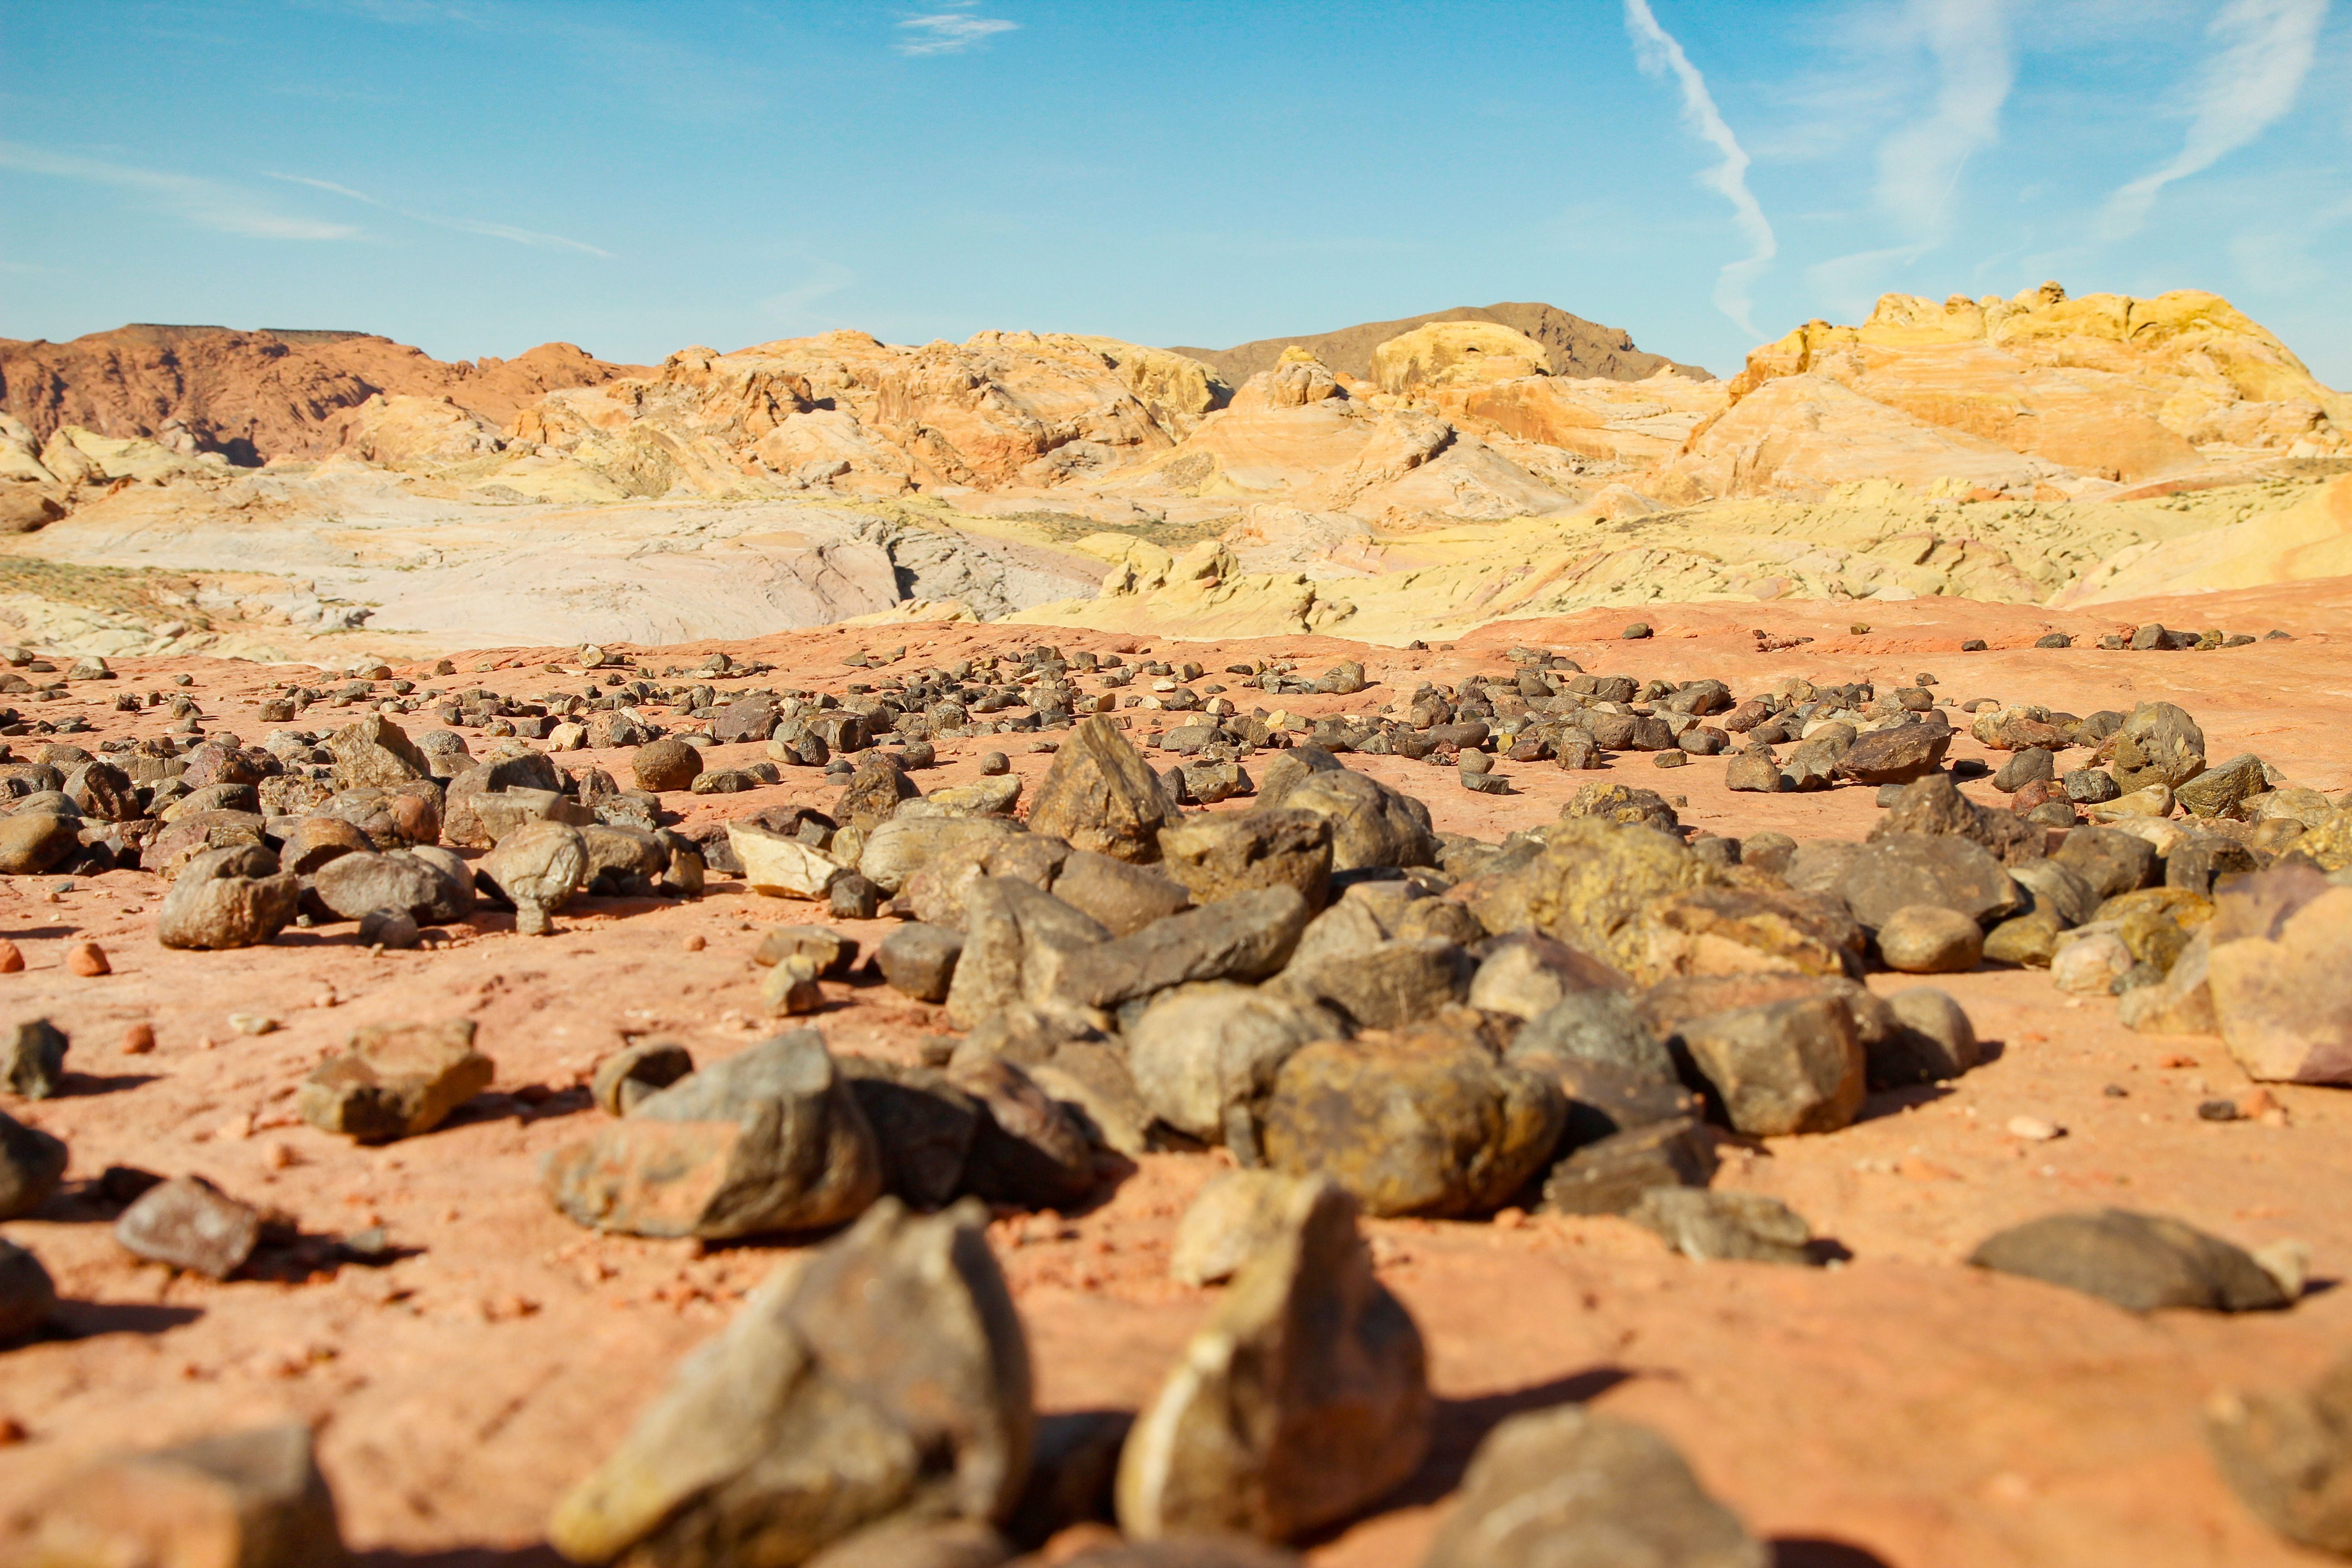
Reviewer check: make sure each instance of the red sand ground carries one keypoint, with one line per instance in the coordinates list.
(1901, 1409)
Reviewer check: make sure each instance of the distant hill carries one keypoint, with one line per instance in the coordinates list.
(1578, 347)
(260, 394)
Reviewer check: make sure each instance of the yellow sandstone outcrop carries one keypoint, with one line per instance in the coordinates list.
(1456, 353)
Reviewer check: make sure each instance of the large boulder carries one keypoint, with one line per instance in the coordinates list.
(886, 1374)
(1304, 1399)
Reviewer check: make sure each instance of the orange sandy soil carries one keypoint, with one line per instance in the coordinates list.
(1901, 1409)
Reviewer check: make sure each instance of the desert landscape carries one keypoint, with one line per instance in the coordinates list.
(1441, 942)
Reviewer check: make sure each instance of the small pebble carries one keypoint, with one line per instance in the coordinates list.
(252, 1022)
(12, 958)
(88, 960)
(2216, 1111)
(994, 762)
(694, 944)
(2116, 1092)
(2034, 1129)
(139, 1039)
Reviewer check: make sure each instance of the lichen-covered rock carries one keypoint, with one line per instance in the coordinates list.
(2158, 744)
(1588, 887)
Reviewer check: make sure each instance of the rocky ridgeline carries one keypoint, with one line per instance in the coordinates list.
(1370, 1015)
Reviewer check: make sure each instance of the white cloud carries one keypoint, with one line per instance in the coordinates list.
(950, 32)
(207, 203)
(1919, 165)
(462, 225)
(2267, 47)
(1658, 53)
(793, 303)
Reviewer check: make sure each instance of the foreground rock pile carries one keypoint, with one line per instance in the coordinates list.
(1362, 1013)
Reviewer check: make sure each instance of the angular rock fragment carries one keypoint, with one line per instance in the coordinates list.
(2281, 945)
(1932, 1041)
(1201, 1054)
(1304, 1399)
(883, 1374)
(919, 961)
(251, 1499)
(1781, 1068)
(1125, 899)
(375, 753)
(33, 1059)
(1016, 940)
(1385, 986)
(1588, 887)
(1371, 825)
(1423, 1124)
(2139, 1261)
(1896, 755)
(1740, 930)
(395, 1081)
(779, 865)
(27, 1294)
(1598, 1025)
(32, 1163)
(1569, 1489)
(1527, 975)
(2158, 744)
(828, 952)
(190, 1224)
(770, 1140)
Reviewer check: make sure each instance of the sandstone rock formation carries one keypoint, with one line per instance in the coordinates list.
(1572, 346)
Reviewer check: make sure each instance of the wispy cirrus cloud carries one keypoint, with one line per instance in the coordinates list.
(792, 304)
(950, 32)
(1919, 165)
(2267, 47)
(1660, 55)
(206, 202)
(462, 225)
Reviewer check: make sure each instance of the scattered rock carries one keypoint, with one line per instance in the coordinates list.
(828, 952)
(1709, 1226)
(27, 1294)
(885, 1373)
(1424, 1123)
(780, 866)
(1220, 854)
(252, 1499)
(2281, 943)
(537, 869)
(2288, 1456)
(1233, 1218)
(1565, 1488)
(375, 753)
(1246, 936)
(923, 1124)
(1611, 1174)
(634, 1072)
(1100, 795)
(1933, 1041)
(1202, 1054)
(919, 961)
(190, 1224)
(2139, 1261)
(1895, 870)
(395, 1081)
(228, 898)
(1305, 1398)
(2158, 744)
(770, 1140)
(1924, 939)
(664, 765)
(1896, 755)
(32, 1163)
(33, 1059)
(1027, 1151)
(1781, 1068)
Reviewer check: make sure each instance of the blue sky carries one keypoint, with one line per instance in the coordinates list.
(475, 176)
